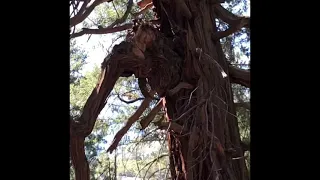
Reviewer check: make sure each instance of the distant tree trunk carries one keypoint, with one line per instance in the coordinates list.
(212, 147)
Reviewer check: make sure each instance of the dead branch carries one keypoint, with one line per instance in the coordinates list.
(146, 121)
(85, 11)
(131, 101)
(239, 76)
(229, 17)
(144, 105)
(102, 30)
(245, 105)
(240, 24)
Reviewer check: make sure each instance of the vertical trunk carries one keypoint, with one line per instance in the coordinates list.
(211, 149)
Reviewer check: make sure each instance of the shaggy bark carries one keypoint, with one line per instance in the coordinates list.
(180, 60)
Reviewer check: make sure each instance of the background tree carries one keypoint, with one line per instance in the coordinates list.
(200, 44)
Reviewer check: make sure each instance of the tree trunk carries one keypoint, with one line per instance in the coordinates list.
(211, 148)
(186, 66)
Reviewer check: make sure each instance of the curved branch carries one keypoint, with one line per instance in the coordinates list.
(229, 17)
(129, 102)
(85, 11)
(117, 138)
(102, 30)
(239, 76)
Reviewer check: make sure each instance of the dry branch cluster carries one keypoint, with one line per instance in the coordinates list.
(198, 102)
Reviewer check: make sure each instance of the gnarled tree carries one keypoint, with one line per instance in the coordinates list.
(177, 57)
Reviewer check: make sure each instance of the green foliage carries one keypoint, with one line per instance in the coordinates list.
(80, 91)
(77, 61)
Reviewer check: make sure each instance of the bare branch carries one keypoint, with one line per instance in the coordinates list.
(229, 17)
(239, 76)
(131, 101)
(110, 28)
(245, 105)
(83, 7)
(146, 121)
(102, 30)
(117, 138)
(85, 11)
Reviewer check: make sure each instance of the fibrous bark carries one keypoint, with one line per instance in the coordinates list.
(184, 65)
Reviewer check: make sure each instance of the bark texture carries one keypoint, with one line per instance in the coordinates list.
(184, 64)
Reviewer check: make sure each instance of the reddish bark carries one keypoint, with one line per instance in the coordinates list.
(206, 119)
